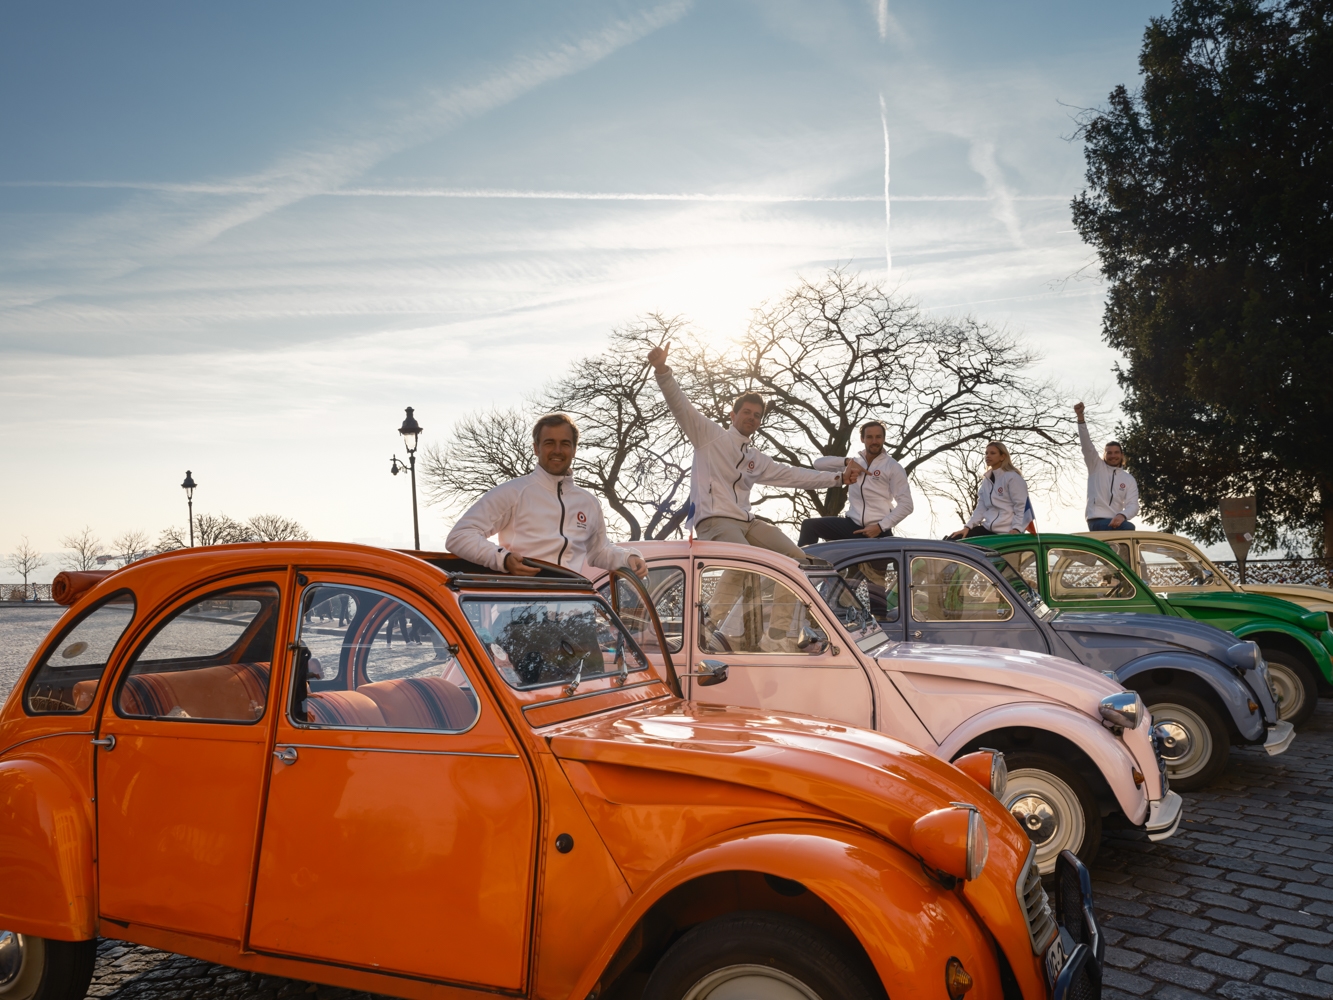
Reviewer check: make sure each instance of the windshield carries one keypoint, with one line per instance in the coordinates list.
(542, 642)
(852, 609)
(1170, 567)
(1015, 576)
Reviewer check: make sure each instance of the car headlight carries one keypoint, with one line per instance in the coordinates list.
(1124, 708)
(1245, 655)
(952, 841)
(987, 769)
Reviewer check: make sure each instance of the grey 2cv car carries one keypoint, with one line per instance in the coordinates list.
(1204, 688)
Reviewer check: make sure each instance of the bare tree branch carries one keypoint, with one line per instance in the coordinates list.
(25, 560)
(84, 548)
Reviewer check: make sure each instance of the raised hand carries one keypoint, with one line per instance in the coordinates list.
(657, 357)
(1078, 411)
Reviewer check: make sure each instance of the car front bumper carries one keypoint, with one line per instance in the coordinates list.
(1280, 735)
(1164, 816)
(1080, 938)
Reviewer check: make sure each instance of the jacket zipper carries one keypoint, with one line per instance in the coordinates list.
(560, 497)
(736, 497)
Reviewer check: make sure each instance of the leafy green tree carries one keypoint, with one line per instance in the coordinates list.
(1210, 203)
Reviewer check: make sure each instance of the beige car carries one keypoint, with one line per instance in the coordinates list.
(1171, 563)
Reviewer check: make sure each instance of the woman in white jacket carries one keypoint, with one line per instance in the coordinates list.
(1001, 498)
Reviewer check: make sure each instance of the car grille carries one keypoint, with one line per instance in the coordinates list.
(1036, 906)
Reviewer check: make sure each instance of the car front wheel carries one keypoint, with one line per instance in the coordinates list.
(1054, 806)
(759, 956)
(33, 968)
(1194, 739)
(1293, 685)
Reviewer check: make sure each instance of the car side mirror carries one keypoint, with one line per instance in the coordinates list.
(710, 672)
(811, 641)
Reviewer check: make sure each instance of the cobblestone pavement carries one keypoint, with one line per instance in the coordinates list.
(1239, 904)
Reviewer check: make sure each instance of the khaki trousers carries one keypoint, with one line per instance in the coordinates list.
(762, 535)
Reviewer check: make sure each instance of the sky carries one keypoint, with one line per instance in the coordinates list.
(240, 238)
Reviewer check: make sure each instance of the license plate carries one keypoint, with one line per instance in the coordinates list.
(1055, 960)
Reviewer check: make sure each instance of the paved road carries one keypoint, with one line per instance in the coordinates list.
(1239, 904)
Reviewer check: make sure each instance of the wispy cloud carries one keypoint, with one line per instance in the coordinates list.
(981, 157)
(888, 214)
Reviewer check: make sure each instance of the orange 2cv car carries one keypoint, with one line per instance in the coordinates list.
(397, 772)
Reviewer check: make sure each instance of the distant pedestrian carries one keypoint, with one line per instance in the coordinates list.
(1002, 498)
(1113, 494)
(875, 502)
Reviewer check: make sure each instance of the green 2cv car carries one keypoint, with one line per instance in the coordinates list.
(1082, 573)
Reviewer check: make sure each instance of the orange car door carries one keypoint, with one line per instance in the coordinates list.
(178, 792)
(399, 830)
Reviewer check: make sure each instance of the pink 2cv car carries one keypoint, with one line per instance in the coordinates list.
(757, 629)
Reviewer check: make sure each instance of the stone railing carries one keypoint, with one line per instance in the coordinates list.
(15, 592)
(1312, 572)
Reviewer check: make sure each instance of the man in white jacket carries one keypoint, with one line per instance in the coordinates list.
(726, 466)
(879, 499)
(1113, 494)
(542, 515)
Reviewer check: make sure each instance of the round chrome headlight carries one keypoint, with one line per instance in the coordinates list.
(1124, 708)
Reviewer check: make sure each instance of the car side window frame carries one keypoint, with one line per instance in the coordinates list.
(109, 669)
(166, 613)
(438, 620)
(812, 610)
(1017, 606)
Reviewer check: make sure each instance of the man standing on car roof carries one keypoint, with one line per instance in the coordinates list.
(726, 466)
(542, 515)
(1113, 494)
(879, 499)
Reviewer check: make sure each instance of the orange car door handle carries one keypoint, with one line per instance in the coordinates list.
(287, 755)
(109, 742)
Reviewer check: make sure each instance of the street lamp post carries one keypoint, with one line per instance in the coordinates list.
(188, 486)
(410, 431)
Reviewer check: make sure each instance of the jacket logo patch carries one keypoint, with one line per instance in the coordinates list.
(750, 467)
(875, 473)
(1122, 486)
(999, 490)
(582, 518)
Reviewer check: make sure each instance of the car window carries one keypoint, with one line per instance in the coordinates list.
(948, 590)
(848, 607)
(208, 661)
(666, 588)
(1165, 565)
(741, 611)
(367, 660)
(67, 680)
(876, 583)
(1077, 575)
(1019, 571)
(1122, 550)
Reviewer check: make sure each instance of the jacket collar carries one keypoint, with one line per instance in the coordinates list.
(731, 429)
(549, 481)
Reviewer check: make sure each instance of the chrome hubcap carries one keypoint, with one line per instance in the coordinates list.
(1035, 815)
(1175, 740)
(1049, 812)
(750, 982)
(11, 957)
(1288, 693)
(1191, 742)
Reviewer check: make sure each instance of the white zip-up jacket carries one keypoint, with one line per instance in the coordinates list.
(1001, 500)
(538, 516)
(1111, 490)
(881, 496)
(726, 465)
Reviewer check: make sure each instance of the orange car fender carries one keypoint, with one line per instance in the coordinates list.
(908, 925)
(46, 853)
(1110, 755)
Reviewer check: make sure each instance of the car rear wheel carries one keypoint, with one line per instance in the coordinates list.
(1295, 687)
(1194, 739)
(1054, 806)
(33, 968)
(759, 956)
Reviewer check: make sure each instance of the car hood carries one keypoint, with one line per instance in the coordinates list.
(1164, 629)
(858, 775)
(1309, 597)
(954, 671)
(1247, 604)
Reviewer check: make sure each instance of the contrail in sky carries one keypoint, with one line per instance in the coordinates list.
(884, 120)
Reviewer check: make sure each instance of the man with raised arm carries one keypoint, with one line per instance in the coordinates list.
(542, 515)
(725, 468)
(1113, 494)
(879, 500)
